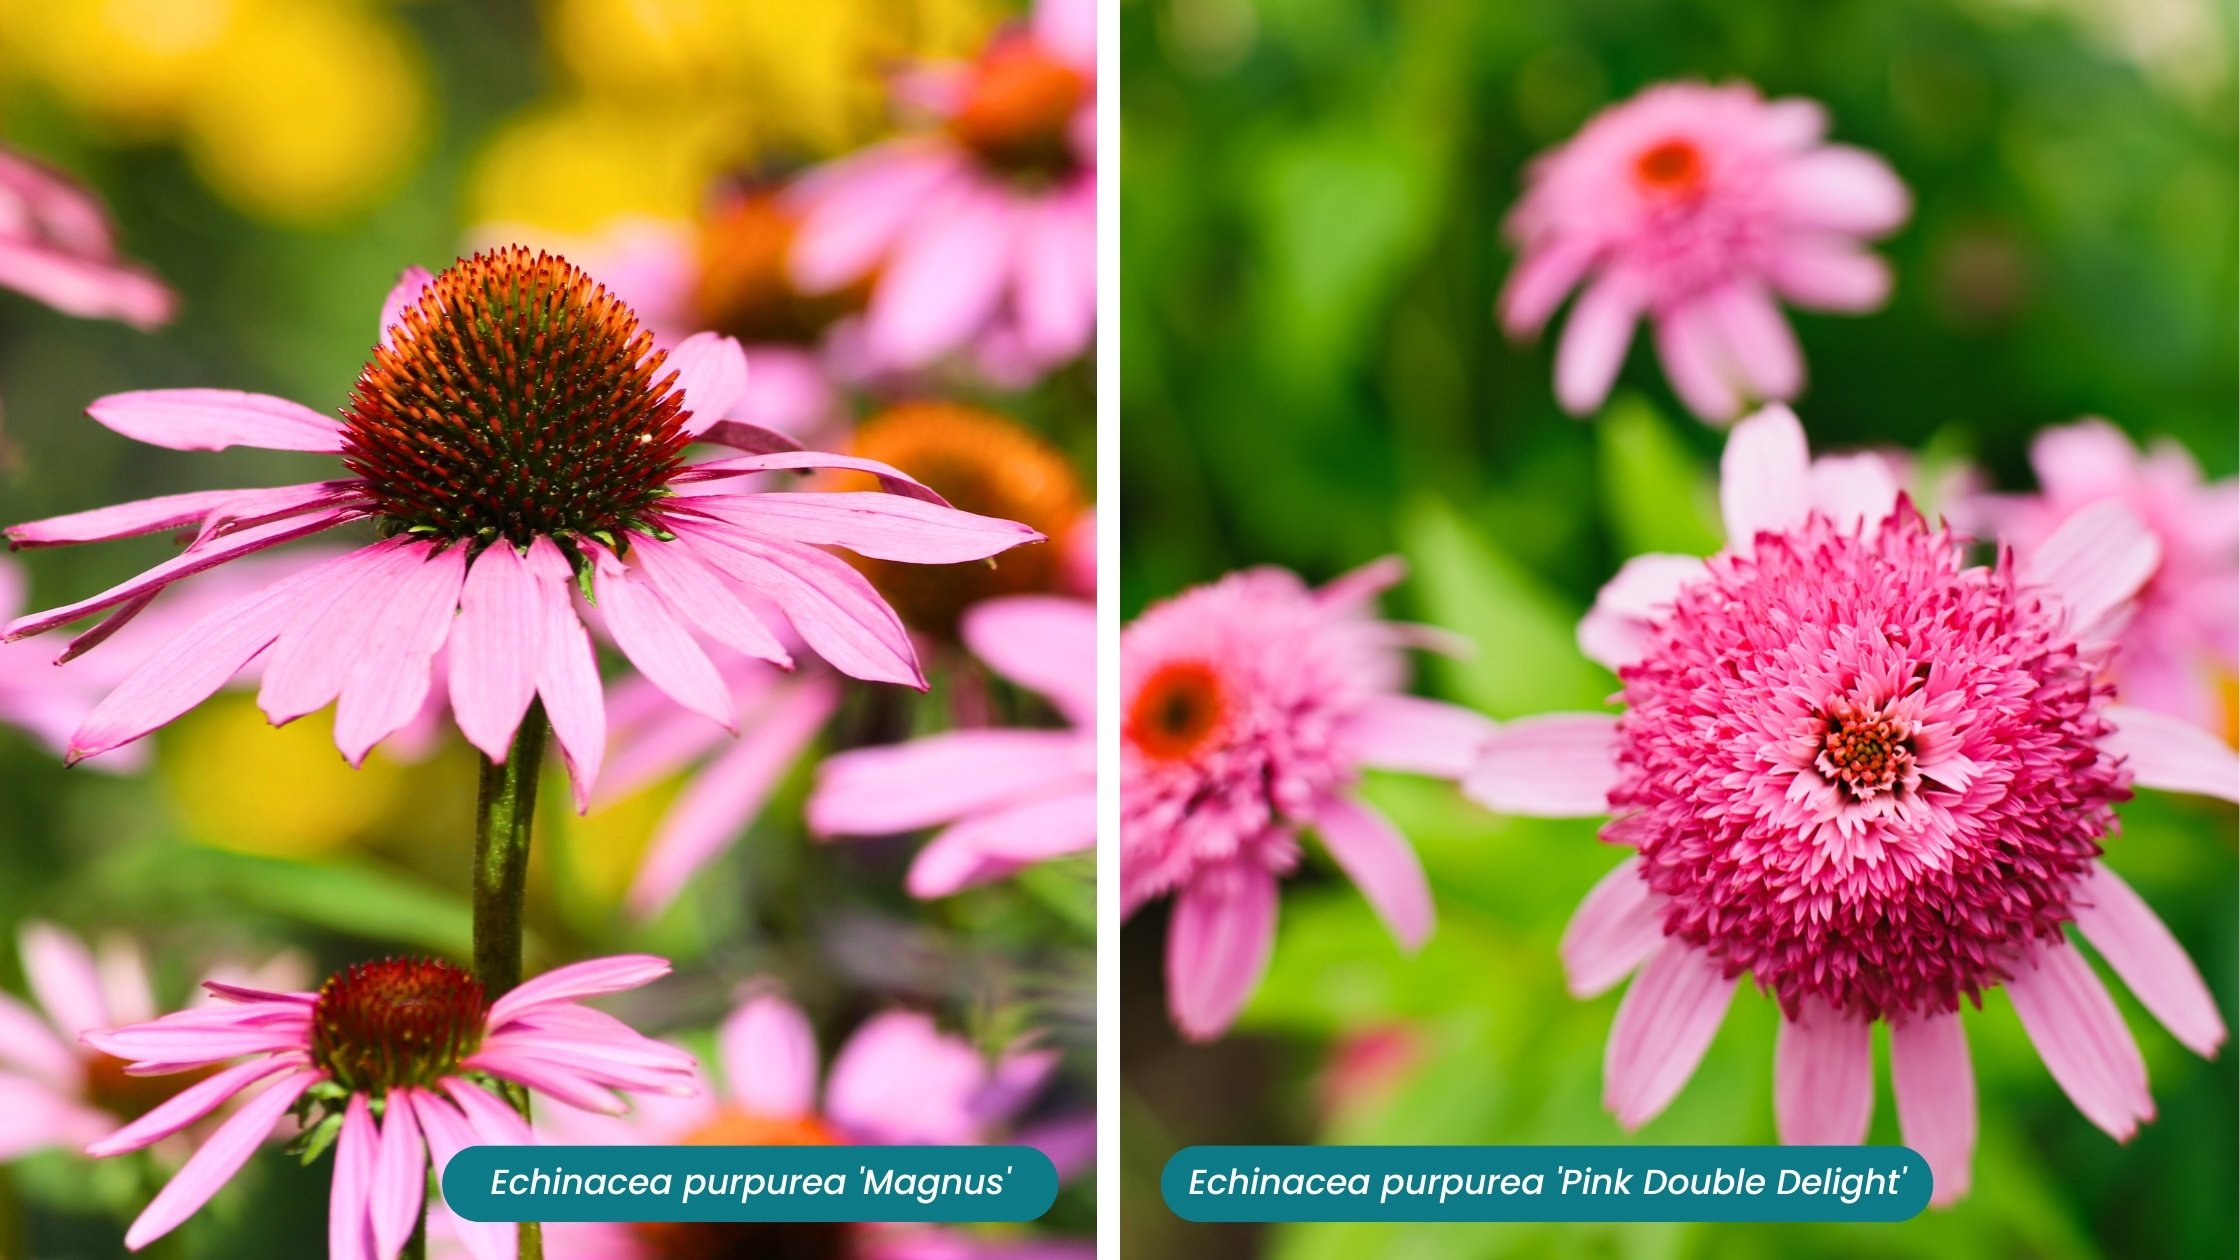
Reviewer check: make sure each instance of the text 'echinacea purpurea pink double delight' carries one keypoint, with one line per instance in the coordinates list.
(1874, 778)
(514, 439)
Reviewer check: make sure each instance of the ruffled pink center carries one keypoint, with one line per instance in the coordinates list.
(1862, 772)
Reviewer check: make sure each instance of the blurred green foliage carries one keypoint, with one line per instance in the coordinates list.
(1312, 377)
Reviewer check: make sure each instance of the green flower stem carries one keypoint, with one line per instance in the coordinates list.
(506, 808)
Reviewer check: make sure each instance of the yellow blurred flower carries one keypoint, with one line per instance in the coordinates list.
(293, 110)
(577, 166)
(600, 852)
(240, 784)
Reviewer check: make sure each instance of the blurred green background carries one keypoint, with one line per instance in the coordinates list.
(278, 162)
(1313, 377)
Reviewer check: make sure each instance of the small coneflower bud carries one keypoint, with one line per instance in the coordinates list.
(515, 399)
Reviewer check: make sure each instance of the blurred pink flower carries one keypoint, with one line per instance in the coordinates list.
(1004, 798)
(1251, 707)
(56, 246)
(1697, 206)
(1875, 780)
(55, 1091)
(2181, 649)
(899, 1080)
(513, 438)
(412, 1035)
(982, 234)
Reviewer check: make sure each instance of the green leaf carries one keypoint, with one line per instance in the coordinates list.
(1656, 493)
(1527, 657)
(340, 896)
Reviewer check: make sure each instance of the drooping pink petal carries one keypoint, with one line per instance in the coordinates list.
(891, 479)
(357, 1157)
(214, 419)
(1823, 1077)
(1541, 279)
(996, 844)
(1055, 287)
(945, 277)
(2082, 1038)
(2173, 755)
(577, 981)
(1843, 190)
(1692, 346)
(390, 680)
(658, 644)
(41, 1117)
(1614, 930)
(769, 1056)
(883, 526)
(1936, 1089)
(1044, 643)
(901, 787)
(493, 1122)
(723, 801)
(834, 609)
(1556, 765)
(448, 1134)
(558, 1078)
(88, 287)
(900, 1079)
(568, 672)
(404, 295)
(1764, 347)
(753, 439)
(1594, 341)
(1664, 1024)
(63, 978)
(856, 208)
(712, 371)
(400, 1179)
(219, 1158)
(714, 607)
(1418, 736)
(29, 1045)
(131, 520)
(192, 1104)
(1382, 864)
(495, 648)
(2149, 959)
(1830, 275)
(2095, 562)
(1218, 942)
(320, 644)
(1617, 631)
(1765, 476)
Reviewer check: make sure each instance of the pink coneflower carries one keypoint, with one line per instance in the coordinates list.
(1698, 206)
(56, 245)
(513, 439)
(981, 234)
(2181, 649)
(1251, 706)
(1875, 779)
(395, 1061)
(898, 1080)
(1004, 798)
(54, 1091)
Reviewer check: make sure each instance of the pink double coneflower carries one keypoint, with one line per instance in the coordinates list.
(980, 234)
(898, 1080)
(1700, 208)
(516, 444)
(1250, 708)
(2181, 648)
(1873, 778)
(1004, 799)
(56, 245)
(55, 1091)
(395, 1063)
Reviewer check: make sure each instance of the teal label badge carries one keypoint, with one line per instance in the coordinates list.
(750, 1183)
(1546, 1183)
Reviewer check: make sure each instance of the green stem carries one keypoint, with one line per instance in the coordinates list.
(506, 808)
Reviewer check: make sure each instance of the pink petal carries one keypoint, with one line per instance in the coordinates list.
(2149, 959)
(856, 208)
(1621, 626)
(1823, 1077)
(217, 1161)
(1068, 28)
(1056, 282)
(1617, 926)
(1218, 941)
(937, 778)
(2080, 1035)
(1409, 733)
(1936, 1089)
(1692, 346)
(214, 419)
(663, 650)
(577, 981)
(390, 680)
(1665, 1022)
(769, 1055)
(411, 283)
(568, 672)
(834, 609)
(493, 1122)
(1558, 765)
(2173, 755)
(556, 1077)
(1854, 490)
(1541, 279)
(88, 287)
(191, 1104)
(2095, 563)
(130, 520)
(400, 1179)
(1764, 348)
(754, 439)
(1765, 477)
(448, 1134)
(883, 526)
(942, 283)
(1382, 864)
(788, 391)
(1827, 275)
(357, 1154)
(495, 648)
(698, 593)
(1840, 189)
(29, 1045)
(891, 479)
(723, 801)
(1594, 341)
(1043, 643)
(712, 371)
(330, 627)
(63, 978)
(997, 844)
(900, 1079)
